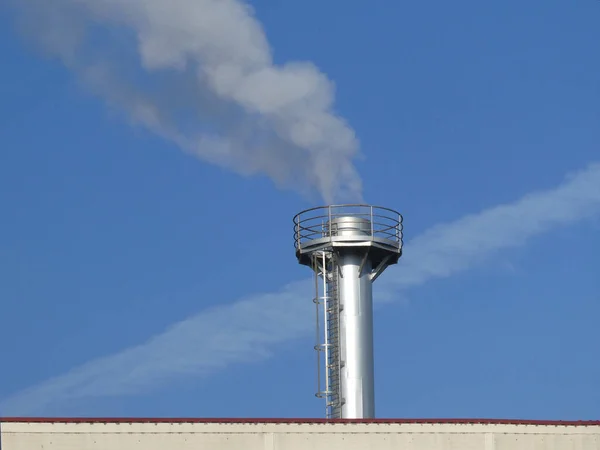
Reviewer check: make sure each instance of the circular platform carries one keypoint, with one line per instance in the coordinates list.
(326, 228)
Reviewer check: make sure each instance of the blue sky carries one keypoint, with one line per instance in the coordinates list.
(139, 280)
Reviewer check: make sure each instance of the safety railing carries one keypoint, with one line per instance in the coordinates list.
(374, 222)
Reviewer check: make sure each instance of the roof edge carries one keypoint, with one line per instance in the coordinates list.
(258, 421)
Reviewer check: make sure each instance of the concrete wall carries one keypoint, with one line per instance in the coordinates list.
(163, 435)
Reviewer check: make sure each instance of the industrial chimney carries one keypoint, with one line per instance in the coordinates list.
(348, 247)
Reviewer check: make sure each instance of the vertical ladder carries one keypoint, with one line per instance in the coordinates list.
(333, 327)
(328, 334)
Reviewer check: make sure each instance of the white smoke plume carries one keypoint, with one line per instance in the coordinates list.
(250, 329)
(201, 74)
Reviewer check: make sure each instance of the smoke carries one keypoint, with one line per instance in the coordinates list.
(200, 73)
(250, 330)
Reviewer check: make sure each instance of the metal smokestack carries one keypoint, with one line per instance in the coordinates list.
(348, 247)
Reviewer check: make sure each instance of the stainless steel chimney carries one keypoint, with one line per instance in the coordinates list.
(348, 247)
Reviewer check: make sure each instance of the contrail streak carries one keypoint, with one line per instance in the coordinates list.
(250, 329)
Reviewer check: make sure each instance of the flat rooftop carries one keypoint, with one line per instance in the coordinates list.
(296, 421)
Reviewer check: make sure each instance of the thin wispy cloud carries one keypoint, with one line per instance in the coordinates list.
(250, 330)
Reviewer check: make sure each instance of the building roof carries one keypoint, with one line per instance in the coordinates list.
(295, 421)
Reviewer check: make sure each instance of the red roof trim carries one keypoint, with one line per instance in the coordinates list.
(297, 421)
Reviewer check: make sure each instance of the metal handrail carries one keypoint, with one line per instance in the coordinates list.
(310, 224)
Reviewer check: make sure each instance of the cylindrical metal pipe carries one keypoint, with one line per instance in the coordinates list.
(356, 336)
